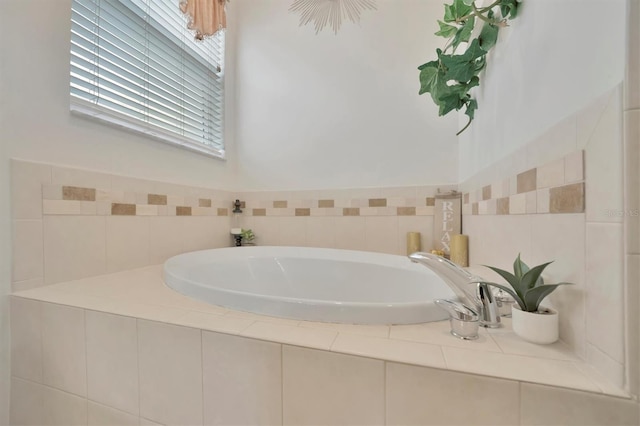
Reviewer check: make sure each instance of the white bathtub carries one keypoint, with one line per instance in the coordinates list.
(311, 284)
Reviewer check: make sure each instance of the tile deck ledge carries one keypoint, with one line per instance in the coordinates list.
(141, 293)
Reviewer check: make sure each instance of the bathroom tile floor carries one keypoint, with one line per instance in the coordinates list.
(141, 293)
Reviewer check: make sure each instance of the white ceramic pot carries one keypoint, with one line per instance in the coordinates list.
(541, 328)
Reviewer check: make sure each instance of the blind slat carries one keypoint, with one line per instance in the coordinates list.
(135, 64)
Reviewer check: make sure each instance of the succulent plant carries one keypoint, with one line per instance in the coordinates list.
(528, 287)
(247, 235)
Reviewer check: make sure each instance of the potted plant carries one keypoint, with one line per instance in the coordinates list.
(529, 320)
(247, 237)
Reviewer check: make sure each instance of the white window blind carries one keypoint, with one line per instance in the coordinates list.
(134, 64)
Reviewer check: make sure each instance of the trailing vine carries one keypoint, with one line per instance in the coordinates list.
(450, 78)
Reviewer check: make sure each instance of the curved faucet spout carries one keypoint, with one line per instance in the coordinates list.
(471, 289)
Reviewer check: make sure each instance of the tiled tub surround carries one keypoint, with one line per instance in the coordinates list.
(70, 223)
(370, 219)
(124, 349)
(574, 168)
(556, 187)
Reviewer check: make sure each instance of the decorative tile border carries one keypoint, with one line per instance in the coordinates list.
(73, 200)
(77, 200)
(556, 187)
(396, 206)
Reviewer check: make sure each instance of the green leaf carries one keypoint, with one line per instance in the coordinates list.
(463, 34)
(530, 278)
(509, 9)
(463, 67)
(468, 2)
(446, 30)
(517, 298)
(534, 297)
(488, 36)
(519, 267)
(428, 78)
(455, 11)
(472, 106)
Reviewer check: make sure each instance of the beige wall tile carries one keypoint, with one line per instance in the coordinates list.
(330, 389)
(293, 230)
(574, 167)
(147, 210)
(612, 370)
(158, 199)
(561, 238)
(112, 360)
(242, 380)
(127, 243)
(280, 204)
(170, 365)
(201, 233)
(382, 234)
(551, 174)
(28, 260)
(603, 160)
(259, 212)
(51, 192)
(303, 212)
(100, 415)
(430, 201)
(74, 247)
(123, 209)
(377, 202)
(567, 199)
(61, 207)
(78, 193)
(320, 232)
(406, 211)
(426, 396)
(165, 238)
(527, 181)
(62, 408)
(588, 118)
(350, 233)
(604, 285)
(26, 188)
(26, 339)
(25, 407)
(518, 203)
(502, 206)
(183, 211)
(531, 202)
(633, 322)
(63, 348)
(555, 143)
(204, 202)
(326, 203)
(632, 180)
(486, 193)
(544, 405)
(80, 178)
(27, 285)
(543, 200)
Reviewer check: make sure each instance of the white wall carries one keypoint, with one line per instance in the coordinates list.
(35, 52)
(336, 111)
(556, 58)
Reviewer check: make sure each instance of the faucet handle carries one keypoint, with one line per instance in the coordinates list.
(489, 316)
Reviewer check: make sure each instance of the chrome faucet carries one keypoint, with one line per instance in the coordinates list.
(471, 289)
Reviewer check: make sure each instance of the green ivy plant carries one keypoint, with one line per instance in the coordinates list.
(450, 78)
(527, 286)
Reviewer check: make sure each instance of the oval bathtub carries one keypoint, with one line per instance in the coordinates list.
(311, 284)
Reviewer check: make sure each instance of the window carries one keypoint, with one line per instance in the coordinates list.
(135, 64)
